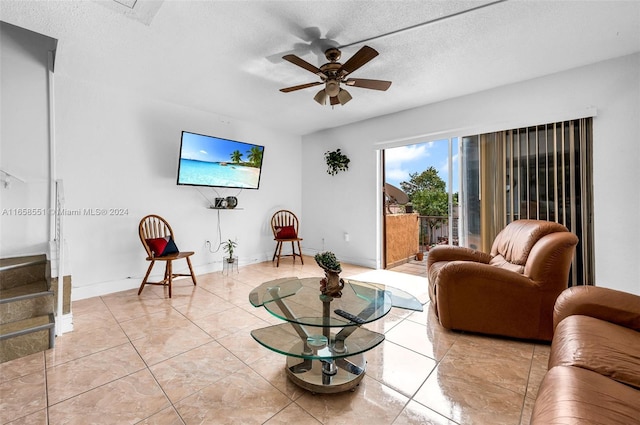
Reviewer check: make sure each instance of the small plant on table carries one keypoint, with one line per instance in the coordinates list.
(229, 246)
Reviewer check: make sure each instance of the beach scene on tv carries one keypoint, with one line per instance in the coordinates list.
(211, 161)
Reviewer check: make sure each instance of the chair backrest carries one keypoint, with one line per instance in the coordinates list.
(282, 219)
(534, 247)
(152, 227)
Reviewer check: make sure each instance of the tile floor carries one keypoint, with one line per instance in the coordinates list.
(149, 359)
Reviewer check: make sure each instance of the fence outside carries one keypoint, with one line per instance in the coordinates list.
(408, 234)
(434, 230)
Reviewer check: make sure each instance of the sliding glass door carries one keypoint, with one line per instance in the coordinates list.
(428, 173)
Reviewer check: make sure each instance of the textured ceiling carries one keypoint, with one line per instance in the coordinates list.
(225, 56)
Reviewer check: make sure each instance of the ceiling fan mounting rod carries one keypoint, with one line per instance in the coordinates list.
(422, 24)
(332, 54)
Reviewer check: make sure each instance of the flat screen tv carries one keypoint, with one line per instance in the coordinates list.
(217, 162)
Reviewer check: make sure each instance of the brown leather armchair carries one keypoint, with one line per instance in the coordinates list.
(509, 292)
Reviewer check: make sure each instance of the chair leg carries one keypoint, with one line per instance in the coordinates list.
(279, 253)
(300, 253)
(169, 273)
(193, 276)
(275, 252)
(146, 276)
(293, 252)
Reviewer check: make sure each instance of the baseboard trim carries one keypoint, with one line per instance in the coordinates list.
(105, 288)
(64, 324)
(109, 287)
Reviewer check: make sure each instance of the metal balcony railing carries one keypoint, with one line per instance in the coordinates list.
(434, 229)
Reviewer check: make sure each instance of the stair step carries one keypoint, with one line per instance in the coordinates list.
(28, 336)
(17, 271)
(29, 290)
(23, 302)
(9, 329)
(12, 262)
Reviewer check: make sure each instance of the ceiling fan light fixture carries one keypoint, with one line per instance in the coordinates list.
(343, 96)
(321, 97)
(333, 88)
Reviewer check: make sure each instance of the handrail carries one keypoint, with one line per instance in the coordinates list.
(59, 246)
(11, 175)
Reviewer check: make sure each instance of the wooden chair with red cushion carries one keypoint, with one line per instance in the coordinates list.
(284, 225)
(157, 238)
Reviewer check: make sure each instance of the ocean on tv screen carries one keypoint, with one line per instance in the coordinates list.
(218, 174)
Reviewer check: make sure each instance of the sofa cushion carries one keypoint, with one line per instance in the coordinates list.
(500, 261)
(621, 308)
(515, 242)
(603, 347)
(571, 395)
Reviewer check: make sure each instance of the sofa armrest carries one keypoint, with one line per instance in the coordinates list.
(456, 253)
(606, 304)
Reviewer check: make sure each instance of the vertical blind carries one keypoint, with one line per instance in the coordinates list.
(540, 172)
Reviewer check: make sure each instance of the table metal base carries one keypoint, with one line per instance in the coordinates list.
(319, 360)
(327, 376)
(228, 268)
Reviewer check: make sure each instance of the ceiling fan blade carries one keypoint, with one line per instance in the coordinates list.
(334, 100)
(300, 87)
(362, 56)
(368, 84)
(302, 63)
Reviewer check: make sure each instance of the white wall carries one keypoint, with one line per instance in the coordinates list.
(344, 203)
(24, 142)
(120, 151)
(348, 202)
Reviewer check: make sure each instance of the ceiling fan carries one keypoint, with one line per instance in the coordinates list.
(333, 73)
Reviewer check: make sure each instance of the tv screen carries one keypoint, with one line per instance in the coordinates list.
(212, 161)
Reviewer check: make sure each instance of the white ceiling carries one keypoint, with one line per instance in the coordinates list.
(225, 56)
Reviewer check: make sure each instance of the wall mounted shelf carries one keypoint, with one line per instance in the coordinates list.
(229, 209)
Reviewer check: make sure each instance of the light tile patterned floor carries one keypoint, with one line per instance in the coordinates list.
(189, 360)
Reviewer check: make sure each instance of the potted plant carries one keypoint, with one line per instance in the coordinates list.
(336, 161)
(332, 284)
(229, 246)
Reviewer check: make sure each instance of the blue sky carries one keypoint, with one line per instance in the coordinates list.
(401, 161)
(211, 149)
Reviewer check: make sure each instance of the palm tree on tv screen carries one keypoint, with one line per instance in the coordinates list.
(255, 156)
(236, 156)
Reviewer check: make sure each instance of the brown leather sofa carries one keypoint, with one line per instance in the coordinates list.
(509, 292)
(594, 365)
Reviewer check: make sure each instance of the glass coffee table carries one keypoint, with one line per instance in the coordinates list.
(323, 337)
